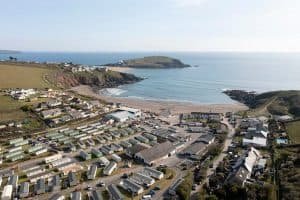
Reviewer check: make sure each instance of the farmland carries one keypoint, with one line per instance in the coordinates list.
(23, 76)
(293, 129)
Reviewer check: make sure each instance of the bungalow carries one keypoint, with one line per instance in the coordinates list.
(131, 186)
(7, 192)
(55, 183)
(142, 179)
(108, 170)
(46, 114)
(85, 156)
(153, 173)
(97, 195)
(40, 186)
(72, 179)
(76, 195)
(13, 180)
(24, 190)
(114, 192)
(91, 173)
(96, 153)
(255, 142)
(103, 161)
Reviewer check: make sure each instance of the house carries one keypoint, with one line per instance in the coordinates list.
(120, 116)
(116, 158)
(242, 169)
(95, 104)
(91, 173)
(7, 192)
(72, 179)
(103, 161)
(206, 138)
(254, 132)
(13, 180)
(131, 187)
(53, 103)
(53, 158)
(114, 192)
(85, 156)
(142, 179)
(40, 186)
(24, 190)
(196, 148)
(55, 183)
(108, 170)
(255, 142)
(75, 195)
(96, 195)
(51, 113)
(153, 173)
(96, 153)
(69, 167)
(57, 197)
(135, 112)
(156, 153)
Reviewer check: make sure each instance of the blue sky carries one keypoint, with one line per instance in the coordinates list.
(150, 25)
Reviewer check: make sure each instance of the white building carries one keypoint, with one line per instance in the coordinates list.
(108, 170)
(7, 192)
(53, 158)
(255, 141)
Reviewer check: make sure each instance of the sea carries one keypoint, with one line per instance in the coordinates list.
(209, 75)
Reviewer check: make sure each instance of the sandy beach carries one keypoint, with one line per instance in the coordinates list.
(160, 106)
(120, 69)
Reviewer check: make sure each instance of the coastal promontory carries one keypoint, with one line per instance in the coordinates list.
(158, 62)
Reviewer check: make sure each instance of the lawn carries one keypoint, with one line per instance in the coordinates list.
(293, 130)
(15, 76)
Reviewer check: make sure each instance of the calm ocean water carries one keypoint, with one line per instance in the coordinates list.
(202, 84)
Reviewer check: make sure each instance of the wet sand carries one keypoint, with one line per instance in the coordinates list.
(159, 106)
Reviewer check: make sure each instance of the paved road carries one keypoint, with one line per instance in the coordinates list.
(220, 158)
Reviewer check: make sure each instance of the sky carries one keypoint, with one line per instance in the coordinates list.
(150, 25)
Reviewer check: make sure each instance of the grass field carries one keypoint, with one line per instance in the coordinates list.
(15, 76)
(10, 109)
(293, 130)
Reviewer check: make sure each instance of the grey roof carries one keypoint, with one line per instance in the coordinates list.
(92, 172)
(24, 190)
(13, 180)
(72, 179)
(156, 152)
(135, 149)
(76, 195)
(194, 149)
(55, 196)
(40, 186)
(96, 195)
(206, 138)
(56, 182)
(114, 192)
(239, 176)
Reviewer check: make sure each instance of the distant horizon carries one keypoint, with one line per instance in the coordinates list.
(156, 25)
(142, 51)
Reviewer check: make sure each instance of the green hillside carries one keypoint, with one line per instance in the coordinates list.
(151, 62)
(275, 102)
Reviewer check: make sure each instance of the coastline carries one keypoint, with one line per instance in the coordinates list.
(161, 106)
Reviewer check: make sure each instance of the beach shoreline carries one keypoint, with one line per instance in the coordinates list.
(161, 106)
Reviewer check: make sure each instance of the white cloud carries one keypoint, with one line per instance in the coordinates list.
(188, 3)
